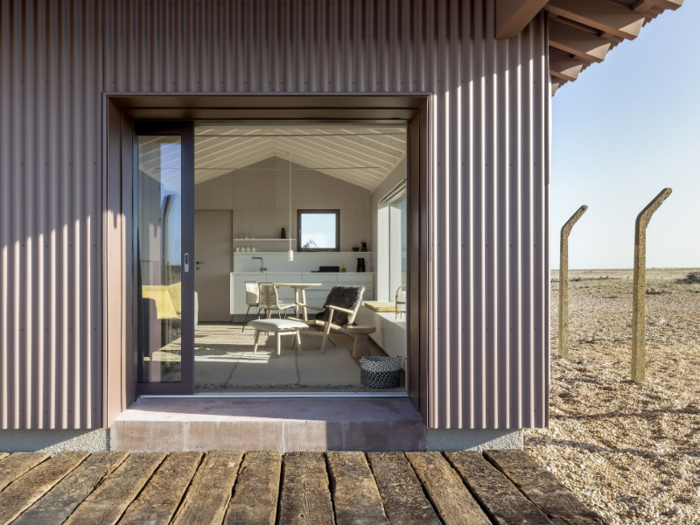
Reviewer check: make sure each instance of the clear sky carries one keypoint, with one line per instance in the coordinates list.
(626, 129)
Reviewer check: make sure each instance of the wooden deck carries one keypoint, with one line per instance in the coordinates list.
(265, 487)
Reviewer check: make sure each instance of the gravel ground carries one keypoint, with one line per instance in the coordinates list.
(632, 452)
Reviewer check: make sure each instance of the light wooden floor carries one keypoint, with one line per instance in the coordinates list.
(220, 336)
(298, 488)
(230, 334)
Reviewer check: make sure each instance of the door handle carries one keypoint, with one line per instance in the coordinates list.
(187, 262)
(199, 262)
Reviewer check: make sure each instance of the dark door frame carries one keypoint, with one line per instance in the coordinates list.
(184, 129)
(122, 109)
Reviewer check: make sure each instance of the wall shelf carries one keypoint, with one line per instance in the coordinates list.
(297, 253)
(261, 240)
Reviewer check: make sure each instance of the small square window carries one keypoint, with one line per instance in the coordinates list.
(318, 230)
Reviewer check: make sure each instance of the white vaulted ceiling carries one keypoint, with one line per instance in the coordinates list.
(360, 155)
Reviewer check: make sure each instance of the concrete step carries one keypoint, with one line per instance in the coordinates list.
(282, 424)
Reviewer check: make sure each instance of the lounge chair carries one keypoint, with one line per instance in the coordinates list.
(338, 313)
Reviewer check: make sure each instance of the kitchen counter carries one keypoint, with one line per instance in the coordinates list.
(315, 296)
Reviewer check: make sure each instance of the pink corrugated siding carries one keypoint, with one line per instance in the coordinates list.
(490, 185)
(50, 206)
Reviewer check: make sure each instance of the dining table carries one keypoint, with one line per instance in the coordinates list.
(299, 290)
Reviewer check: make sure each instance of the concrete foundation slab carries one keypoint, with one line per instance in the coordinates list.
(474, 439)
(285, 425)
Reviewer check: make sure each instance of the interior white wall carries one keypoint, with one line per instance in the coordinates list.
(380, 220)
(380, 229)
(259, 198)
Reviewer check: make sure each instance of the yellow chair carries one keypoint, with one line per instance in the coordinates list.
(168, 300)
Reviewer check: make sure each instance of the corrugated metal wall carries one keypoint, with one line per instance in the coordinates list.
(490, 160)
(50, 214)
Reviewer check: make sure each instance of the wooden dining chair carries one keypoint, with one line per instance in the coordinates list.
(252, 299)
(269, 301)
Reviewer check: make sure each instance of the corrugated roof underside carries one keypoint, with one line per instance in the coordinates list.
(489, 364)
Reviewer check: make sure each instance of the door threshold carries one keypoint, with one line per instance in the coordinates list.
(282, 425)
(258, 395)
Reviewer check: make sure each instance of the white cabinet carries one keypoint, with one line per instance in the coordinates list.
(326, 280)
(356, 278)
(364, 279)
(315, 296)
(285, 294)
(390, 333)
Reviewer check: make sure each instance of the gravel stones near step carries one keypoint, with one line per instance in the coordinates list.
(630, 452)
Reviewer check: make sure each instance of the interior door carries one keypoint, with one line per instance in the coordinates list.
(164, 250)
(213, 232)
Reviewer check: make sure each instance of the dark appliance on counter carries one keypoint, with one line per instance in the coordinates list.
(327, 269)
(361, 265)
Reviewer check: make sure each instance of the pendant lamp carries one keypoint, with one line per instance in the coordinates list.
(291, 252)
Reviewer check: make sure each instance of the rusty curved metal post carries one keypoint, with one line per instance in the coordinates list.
(564, 282)
(639, 300)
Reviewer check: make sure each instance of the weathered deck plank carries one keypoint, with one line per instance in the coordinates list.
(210, 492)
(34, 484)
(404, 500)
(257, 490)
(305, 496)
(542, 488)
(108, 502)
(504, 503)
(14, 465)
(57, 505)
(446, 490)
(161, 496)
(355, 493)
(296, 488)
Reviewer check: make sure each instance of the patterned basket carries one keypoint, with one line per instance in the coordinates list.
(380, 371)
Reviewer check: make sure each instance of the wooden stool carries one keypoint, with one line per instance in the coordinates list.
(279, 327)
(360, 334)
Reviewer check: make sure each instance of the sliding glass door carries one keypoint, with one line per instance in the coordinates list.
(164, 249)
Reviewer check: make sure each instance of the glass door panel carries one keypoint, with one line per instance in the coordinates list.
(163, 237)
